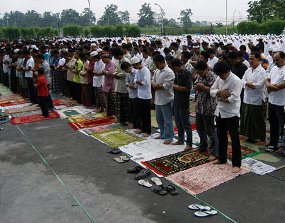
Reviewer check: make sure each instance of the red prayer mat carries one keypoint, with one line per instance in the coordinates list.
(91, 123)
(33, 118)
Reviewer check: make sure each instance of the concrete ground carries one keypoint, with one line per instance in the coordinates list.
(50, 174)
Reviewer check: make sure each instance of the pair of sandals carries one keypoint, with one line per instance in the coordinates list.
(121, 159)
(202, 211)
(158, 187)
(115, 151)
(141, 172)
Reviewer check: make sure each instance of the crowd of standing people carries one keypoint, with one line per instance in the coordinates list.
(238, 82)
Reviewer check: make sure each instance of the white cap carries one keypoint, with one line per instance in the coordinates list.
(135, 60)
(270, 48)
(93, 54)
(16, 50)
(93, 44)
(99, 50)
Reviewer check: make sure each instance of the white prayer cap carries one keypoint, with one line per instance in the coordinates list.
(93, 53)
(270, 48)
(135, 60)
(99, 50)
(16, 50)
(93, 44)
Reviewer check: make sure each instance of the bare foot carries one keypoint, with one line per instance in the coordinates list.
(188, 148)
(167, 142)
(130, 126)
(138, 131)
(235, 169)
(158, 137)
(145, 135)
(212, 158)
(217, 162)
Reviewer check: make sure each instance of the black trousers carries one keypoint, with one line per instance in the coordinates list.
(231, 125)
(31, 90)
(144, 115)
(276, 121)
(43, 103)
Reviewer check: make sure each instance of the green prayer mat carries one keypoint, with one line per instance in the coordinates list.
(116, 137)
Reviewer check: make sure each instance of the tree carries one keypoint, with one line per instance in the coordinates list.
(263, 10)
(185, 17)
(49, 19)
(87, 17)
(146, 15)
(110, 16)
(70, 16)
(31, 18)
(125, 17)
(170, 22)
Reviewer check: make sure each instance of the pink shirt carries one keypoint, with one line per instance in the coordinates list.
(109, 83)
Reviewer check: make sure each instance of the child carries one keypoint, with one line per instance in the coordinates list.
(43, 92)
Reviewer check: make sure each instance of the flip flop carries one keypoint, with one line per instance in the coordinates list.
(115, 151)
(145, 183)
(136, 169)
(171, 189)
(159, 190)
(202, 214)
(143, 174)
(199, 207)
(125, 158)
(118, 160)
(156, 180)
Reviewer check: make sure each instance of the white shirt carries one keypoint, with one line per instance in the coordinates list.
(6, 59)
(61, 62)
(166, 78)
(144, 90)
(177, 54)
(276, 76)
(257, 77)
(188, 66)
(98, 81)
(30, 63)
(246, 63)
(234, 85)
(211, 62)
(146, 62)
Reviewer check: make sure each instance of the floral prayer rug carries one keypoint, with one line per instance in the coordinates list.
(91, 123)
(68, 112)
(14, 111)
(101, 128)
(33, 118)
(177, 162)
(85, 117)
(65, 101)
(28, 113)
(116, 137)
(204, 177)
(245, 152)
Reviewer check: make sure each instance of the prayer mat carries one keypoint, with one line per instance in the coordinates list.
(65, 101)
(258, 167)
(13, 102)
(33, 118)
(177, 162)
(116, 137)
(68, 112)
(91, 123)
(101, 128)
(14, 111)
(245, 152)
(204, 177)
(28, 113)
(85, 117)
(193, 127)
(17, 106)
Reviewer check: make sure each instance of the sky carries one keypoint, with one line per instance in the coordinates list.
(203, 10)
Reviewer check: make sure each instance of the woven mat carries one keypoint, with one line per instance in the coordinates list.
(91, 123)
(245, 152)
(116, 137)
(177, 162)
(90, 131)
(33, 118)
(68, 112)
(65, 101)
(204, 177)
(28, 113)
(25, 109)
(85, 117)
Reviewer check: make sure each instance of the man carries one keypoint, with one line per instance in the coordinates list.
(275, 84)
(122, 96)
(143, 82)
(182, 86)
(227, 89)
(252, 122)
(29, 75)
(205, 109)
(162, 83)
(212, 58)
(176, 51)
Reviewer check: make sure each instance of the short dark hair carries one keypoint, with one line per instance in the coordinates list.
(201, 65)
(282, 54)
(158, 58)
(125, 65)
(211, 51)
(221, 68)
(176, 63)
(242, 47)
(256, 55)
(41, 70)
(205, 55)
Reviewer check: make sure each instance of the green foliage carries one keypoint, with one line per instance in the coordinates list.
(86, 32)
(263, 10)
(185, 17)
(270, 26)
(146, 16)
(110, 16)
(11, 33)
(115, 31)
(72, 30)
(133, 31)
